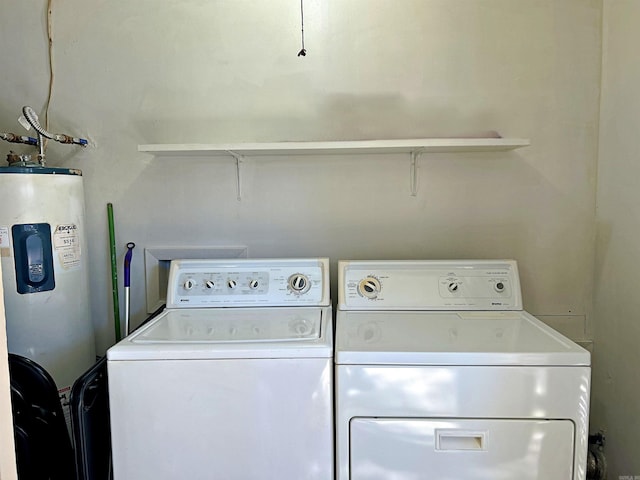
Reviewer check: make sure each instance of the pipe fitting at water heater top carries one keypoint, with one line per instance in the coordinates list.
(44, 259)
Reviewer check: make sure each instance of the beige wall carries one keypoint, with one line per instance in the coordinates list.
(130, 73)
(218, 71)
(7, 448)
(616, 361)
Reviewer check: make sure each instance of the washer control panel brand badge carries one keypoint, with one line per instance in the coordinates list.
(66, 241)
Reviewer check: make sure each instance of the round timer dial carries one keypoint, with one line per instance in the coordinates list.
(299, 283)
(369, 287)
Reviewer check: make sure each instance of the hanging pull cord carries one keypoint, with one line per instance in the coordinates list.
(302, 52)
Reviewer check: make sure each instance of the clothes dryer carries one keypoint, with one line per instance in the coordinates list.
(441, 374)
(233, 380)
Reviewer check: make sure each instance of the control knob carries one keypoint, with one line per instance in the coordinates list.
(453, 287)
(209, 284)
(499, 286)
(232, 284)
(299, 283)
(189, 284)
(369, 287)
(253, 284)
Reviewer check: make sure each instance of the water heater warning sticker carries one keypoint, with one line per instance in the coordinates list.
(5, 247)
(66, 241)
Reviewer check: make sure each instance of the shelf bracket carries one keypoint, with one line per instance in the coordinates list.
(239, 159)
(413, 171)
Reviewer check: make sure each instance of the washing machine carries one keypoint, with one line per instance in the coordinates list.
(441, 375)
(233, 380)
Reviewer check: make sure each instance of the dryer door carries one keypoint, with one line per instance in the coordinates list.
(470, 449)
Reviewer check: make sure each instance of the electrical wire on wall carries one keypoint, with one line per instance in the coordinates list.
(51, 76)
(302, 51)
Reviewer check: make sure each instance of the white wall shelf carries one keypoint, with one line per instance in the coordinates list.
(415, 147)
(420, 145)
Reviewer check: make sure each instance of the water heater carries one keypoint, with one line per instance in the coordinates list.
(44, 270)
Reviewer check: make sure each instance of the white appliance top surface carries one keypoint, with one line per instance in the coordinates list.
(441, 312)
(451, 338)
(218, 333)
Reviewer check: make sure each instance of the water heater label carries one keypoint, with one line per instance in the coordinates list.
(5, 246)
(66, 241)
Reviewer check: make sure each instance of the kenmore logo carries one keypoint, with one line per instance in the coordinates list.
(496, 303)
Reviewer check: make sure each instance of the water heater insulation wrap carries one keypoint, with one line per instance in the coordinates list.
(47, 311)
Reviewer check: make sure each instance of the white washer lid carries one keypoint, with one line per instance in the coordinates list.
(451, 338)
(231, 333)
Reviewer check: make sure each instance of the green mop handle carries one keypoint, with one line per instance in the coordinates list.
(114, 273)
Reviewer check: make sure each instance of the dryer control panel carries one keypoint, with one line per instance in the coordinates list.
(248, 282)
(429, 285)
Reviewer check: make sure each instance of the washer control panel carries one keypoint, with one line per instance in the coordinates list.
(429, 285)
(248, 282)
